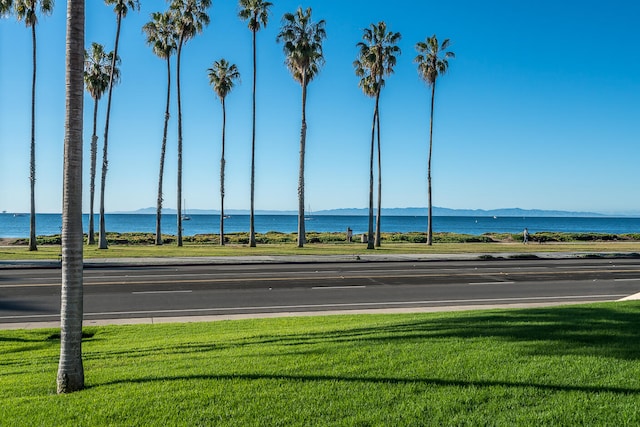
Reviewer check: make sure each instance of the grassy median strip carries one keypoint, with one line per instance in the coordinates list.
(575, 365)
(133, 246)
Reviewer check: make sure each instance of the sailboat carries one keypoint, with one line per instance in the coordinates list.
(185, 216)
(309, 217)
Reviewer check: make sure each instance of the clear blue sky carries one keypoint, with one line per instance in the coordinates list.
(540, 110)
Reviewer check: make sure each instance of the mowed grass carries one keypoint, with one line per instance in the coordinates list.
(574, 365)
(52, 252)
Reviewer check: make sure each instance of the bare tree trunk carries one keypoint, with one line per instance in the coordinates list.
(430, 219)
(303, 142)
(179, 55)
(370, 242)
(379, 212)
(163, 152)
(91, 238)
(222, 165)
(32, 177)
(252, 229)
(102, 239)
(70, 375)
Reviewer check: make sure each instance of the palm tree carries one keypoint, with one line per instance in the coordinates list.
(376, 59)
(303, 51)
(97, 72)
(190, 19)
(432, 62)
(257, 13)
(27, 11)
(5, 7)
(70, 375)
(161, 36)
(222, 77)
(121, 8)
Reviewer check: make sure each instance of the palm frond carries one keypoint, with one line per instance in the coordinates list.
(256, 12)
(222, 77)
(302, 44)
(432, 58)
(377, 57)
(121, 7)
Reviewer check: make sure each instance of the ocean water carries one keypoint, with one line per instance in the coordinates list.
(48, 224)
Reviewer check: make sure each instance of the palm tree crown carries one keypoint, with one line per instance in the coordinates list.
(97, 70)
(376, 57)
(302, 44)
(121, 7)
(27, 10)
(161, 34)
(256, 12)
(190, 17)
(222, 76)
(432, 58)
(5, 7)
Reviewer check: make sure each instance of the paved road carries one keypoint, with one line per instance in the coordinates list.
(124, 293)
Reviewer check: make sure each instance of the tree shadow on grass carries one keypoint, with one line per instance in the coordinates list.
(600, 330)
(376, 380)
(593, 330)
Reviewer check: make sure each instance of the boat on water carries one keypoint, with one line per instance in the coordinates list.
(185, 215)
(309, 217)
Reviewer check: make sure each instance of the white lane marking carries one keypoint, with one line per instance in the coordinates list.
(627, 280)
(161, 292)
(357, 304)
(492, 283)
(338, 287)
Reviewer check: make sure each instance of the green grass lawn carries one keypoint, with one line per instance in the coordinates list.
(52, 252)
(574, 365)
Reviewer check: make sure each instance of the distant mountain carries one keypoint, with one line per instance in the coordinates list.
(437, 211)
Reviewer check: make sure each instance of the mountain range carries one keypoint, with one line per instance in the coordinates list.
(437, 211)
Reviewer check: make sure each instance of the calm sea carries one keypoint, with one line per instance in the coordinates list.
(48, 224)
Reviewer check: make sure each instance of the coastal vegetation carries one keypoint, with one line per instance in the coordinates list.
(161, 36)
(302, 39)
(142, 245)
(167, 33)
(377, 56)
(256, 13)
(190, 19)
(572, 365)
(28, 11)
(222, 77)
(97, 76)
(121, 9)
(432, 62)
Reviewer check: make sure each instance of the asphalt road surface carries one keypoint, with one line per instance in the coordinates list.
(29, 295)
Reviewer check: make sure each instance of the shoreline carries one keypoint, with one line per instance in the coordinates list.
(273, 237)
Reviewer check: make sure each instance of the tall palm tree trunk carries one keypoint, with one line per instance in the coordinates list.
(179, 56)
(303, 142)
(102, 239)
(70, 375)
(91, 239)
(32, 178)
(370, 241)
(163, 151)
(379, 212)
(430, 218)
(252, 230)
(222, 165)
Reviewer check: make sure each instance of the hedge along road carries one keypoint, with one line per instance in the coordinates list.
(119, 292)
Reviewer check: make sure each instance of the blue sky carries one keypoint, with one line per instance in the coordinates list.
(540, 110)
